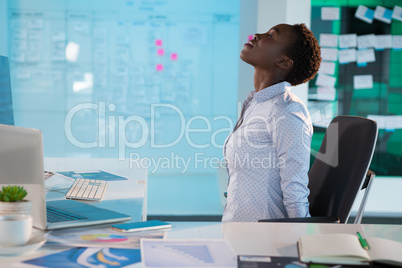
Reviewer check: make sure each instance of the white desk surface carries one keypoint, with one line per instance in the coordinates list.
(270, 239)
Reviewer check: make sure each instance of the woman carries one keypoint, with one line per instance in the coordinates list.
(268, 152)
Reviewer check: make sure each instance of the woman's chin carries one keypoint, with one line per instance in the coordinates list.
(243, 56)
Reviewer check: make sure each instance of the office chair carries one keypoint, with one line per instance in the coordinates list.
(340, 170)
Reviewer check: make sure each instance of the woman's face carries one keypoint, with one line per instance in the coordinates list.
(265, 50)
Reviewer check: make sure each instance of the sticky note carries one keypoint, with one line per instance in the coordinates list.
(160, 52)
(328, 40)
(39, 74)
(383, 14)
(365, 14)
(159, 67)
(250, 37)
(33, 56)
(327, 67)
(35, 35)
(35, 23)
(20, 45)
(394, 121)
(330, 13)
(366, 55)
(326, 93)
(363, 81)
(388, 122)
(82, 27)
(366, 41)
(397, 42)
(58, 36)
(20, 33)
(325, 80)
(383, 41)
(330, 54)
(347, 55)
(173, 56)
(158, 42)
(347, 40)
(397, 13)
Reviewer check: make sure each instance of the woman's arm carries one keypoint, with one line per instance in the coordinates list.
(292, 139)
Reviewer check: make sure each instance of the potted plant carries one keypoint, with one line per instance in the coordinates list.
(11, 201)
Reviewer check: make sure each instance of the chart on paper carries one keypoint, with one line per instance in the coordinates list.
(187, 253)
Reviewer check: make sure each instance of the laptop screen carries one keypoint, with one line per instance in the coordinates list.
(6, 105)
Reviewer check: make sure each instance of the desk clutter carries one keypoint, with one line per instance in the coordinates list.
(106, 247)
(94, 246)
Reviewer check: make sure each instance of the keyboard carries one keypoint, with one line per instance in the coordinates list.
(57, 215)
(87, 189)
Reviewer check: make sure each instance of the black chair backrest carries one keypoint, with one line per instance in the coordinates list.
(341, 165)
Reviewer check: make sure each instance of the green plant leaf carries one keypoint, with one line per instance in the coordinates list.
(14, 190)
(21, 195)
(12, 193)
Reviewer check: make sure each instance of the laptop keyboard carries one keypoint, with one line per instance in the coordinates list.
(57, 215)
(87, 189)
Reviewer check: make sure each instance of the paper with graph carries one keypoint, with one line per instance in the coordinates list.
(157, 253)
(100, 237)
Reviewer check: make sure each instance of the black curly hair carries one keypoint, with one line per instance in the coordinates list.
(306, 55)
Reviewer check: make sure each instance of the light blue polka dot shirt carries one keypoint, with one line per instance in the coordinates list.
(268, 157)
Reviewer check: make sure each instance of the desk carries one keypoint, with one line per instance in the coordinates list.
(271, 239)
(127, 197)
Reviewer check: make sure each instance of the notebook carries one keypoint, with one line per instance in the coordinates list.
(347, 249)
(21, 163)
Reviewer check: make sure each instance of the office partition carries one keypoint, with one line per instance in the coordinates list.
(360, 73)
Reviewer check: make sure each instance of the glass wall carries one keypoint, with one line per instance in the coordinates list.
(153, 79)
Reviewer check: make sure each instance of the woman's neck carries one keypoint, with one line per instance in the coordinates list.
(265, 78)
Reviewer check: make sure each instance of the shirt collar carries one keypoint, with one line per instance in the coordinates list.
(272, 91)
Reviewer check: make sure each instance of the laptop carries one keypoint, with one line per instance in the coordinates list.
(21, 163)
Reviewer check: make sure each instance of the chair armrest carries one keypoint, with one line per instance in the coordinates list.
(306, 220)
(370, 175)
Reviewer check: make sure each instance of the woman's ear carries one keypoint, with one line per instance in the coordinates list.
(285, 63)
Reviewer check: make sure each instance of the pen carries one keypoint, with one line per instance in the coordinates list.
(363, 241)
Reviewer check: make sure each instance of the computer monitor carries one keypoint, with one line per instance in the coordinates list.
(6, 104)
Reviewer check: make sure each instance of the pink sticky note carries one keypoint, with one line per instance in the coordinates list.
(159, 67)
(173, 56)
(250, 37)
(160, 52)
(158, 42)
